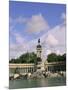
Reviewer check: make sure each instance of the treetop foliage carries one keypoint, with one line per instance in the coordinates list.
(32, 58)
(56, 58)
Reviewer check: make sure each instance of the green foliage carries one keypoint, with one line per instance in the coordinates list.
(32, 58)
(25, 58)
(52, 57)
(64, 57)
(56, 58)
(12, 61)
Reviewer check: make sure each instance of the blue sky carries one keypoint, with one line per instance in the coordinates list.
(30, 21)
(50, 12)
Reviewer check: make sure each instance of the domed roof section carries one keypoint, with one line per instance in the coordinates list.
(39, 46)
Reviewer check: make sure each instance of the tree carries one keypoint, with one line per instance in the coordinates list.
(52, 57)
(59, 58)
(25, 58)
(56, 58)
(64, 57)
(12, 61)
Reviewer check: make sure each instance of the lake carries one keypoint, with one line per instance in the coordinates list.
(32, 83)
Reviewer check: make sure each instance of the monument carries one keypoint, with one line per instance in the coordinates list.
(39, 51)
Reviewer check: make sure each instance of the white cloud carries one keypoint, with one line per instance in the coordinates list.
(51, 40)
(54, 37)
(21, 20)
(58, 52)
(14, 21)
(19, 39)
(63, 16)
(36, 24)
(19, 47)
(48, 52)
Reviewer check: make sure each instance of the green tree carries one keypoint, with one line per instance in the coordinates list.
(64, 57)
(56, 58)
(52, 57)
(12, 61)
(25, 58)
(59, 58)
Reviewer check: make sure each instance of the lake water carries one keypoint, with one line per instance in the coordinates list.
(32, 83)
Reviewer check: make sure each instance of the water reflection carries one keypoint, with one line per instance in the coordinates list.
(30, 83)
